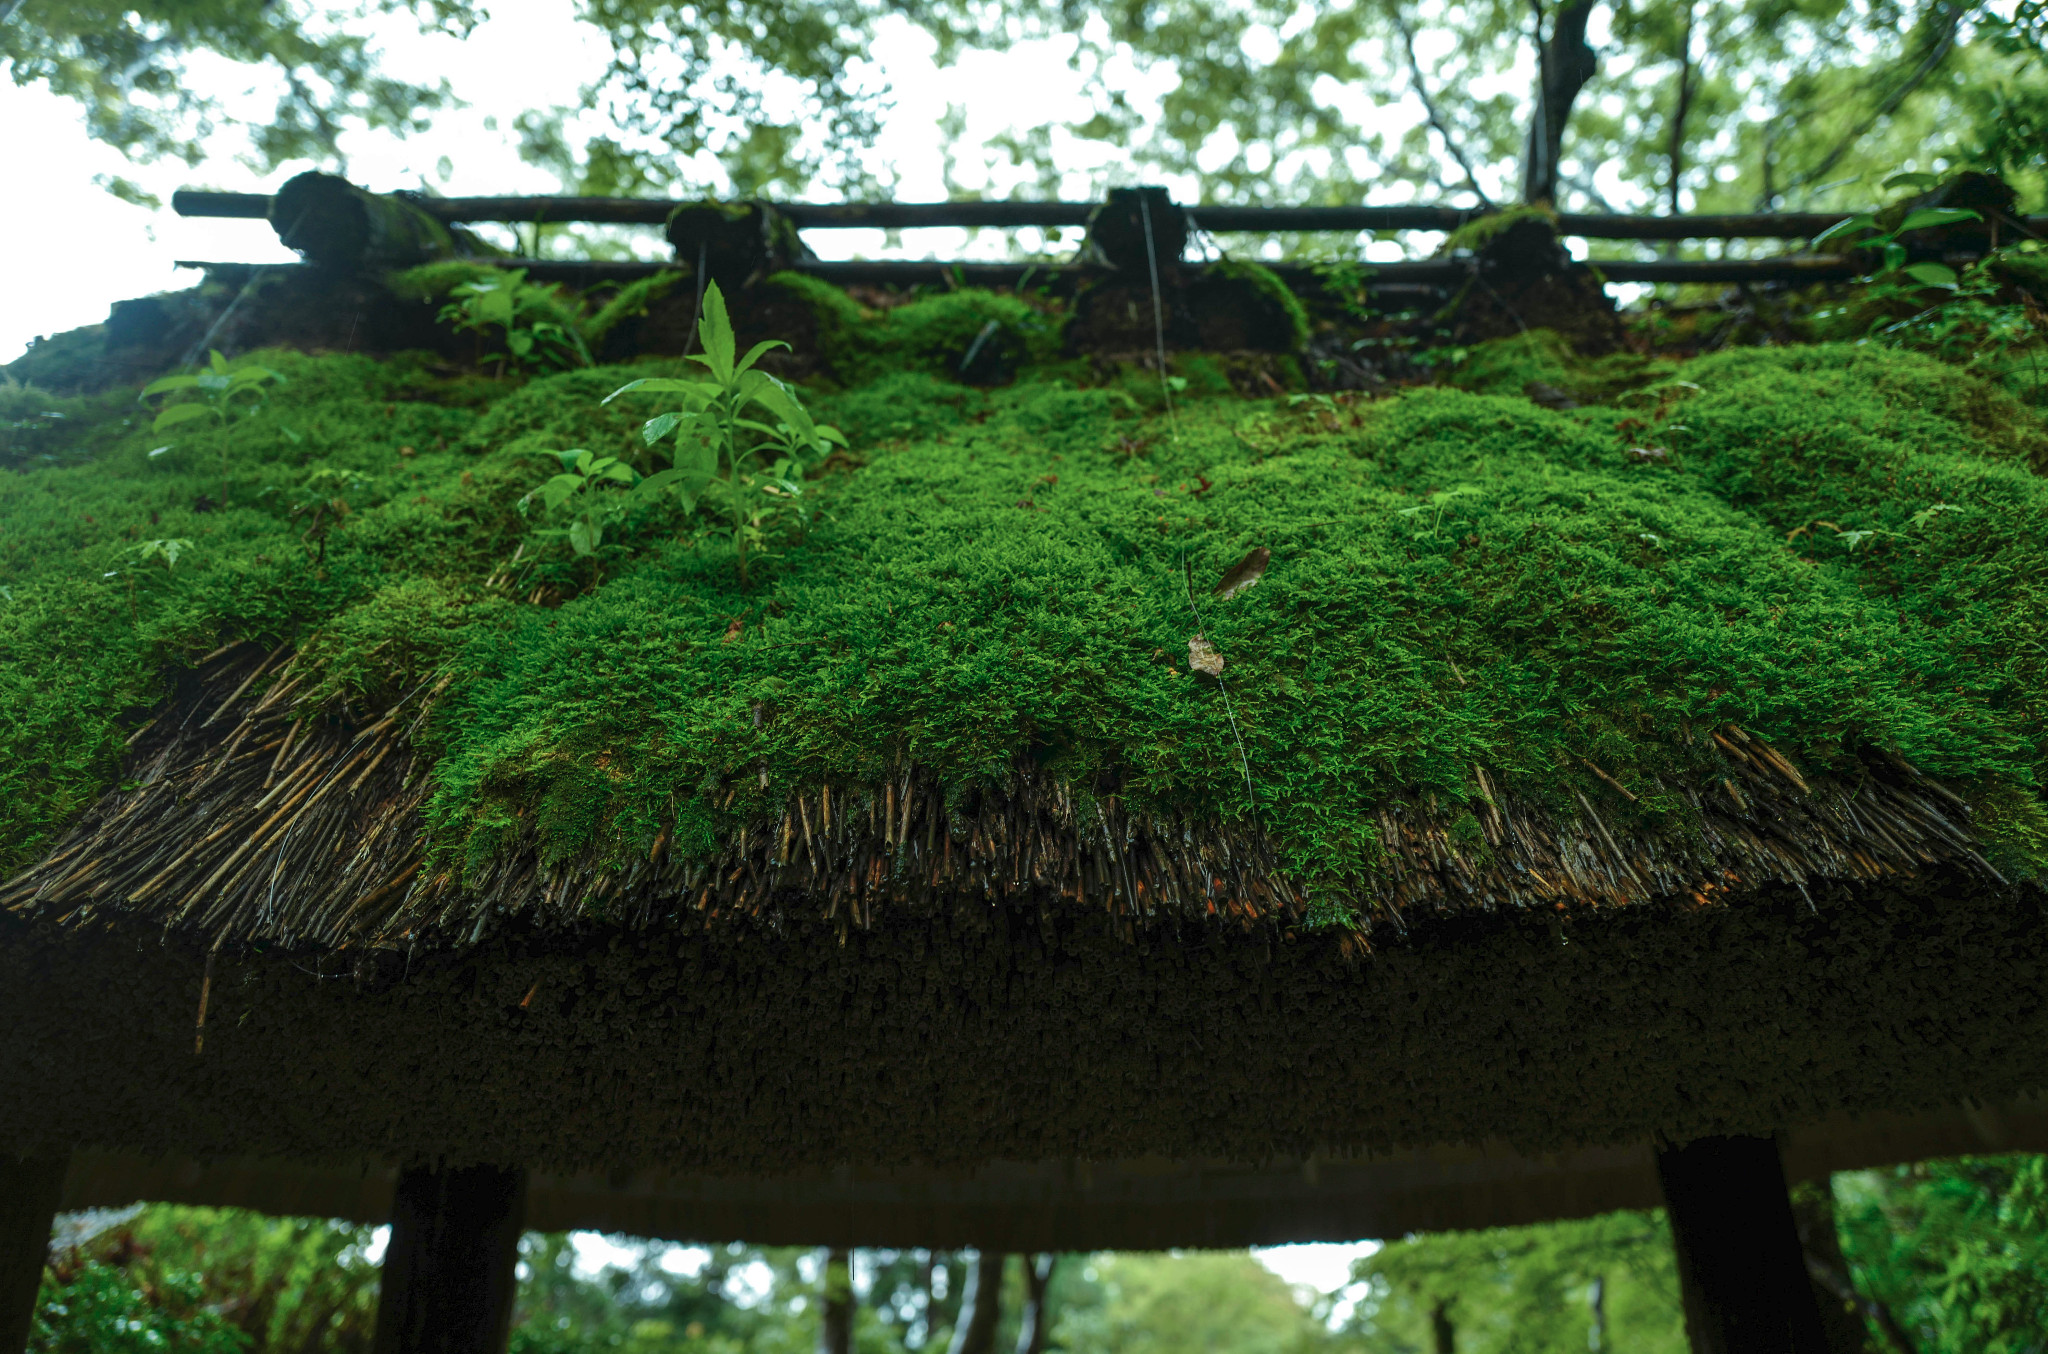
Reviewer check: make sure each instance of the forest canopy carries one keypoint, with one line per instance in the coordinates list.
(1593, 104)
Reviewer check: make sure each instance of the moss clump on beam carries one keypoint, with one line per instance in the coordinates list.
(1272, 290)
(1574, 602)
(933, 334)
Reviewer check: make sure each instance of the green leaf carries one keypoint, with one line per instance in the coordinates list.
(654, 429)
(179, 413)
(716, 331)
(697, 458)
(1932, 274)
(243, 376)
(1912, 179)
(754, 353)
(584, 535)
(216, 361)
(212, 380)
(1928, 217)
(159, 386)
(1894, 255)
(559, 490)
(618, 470)
(654, 384)
(1860, 222)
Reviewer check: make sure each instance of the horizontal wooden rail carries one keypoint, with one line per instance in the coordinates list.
(1016, 215)
(1404, 275)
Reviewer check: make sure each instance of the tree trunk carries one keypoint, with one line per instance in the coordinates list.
(1843, 1309)
(1740, 1270)
(1564, 63)
(1037, 1327)
(451, 1266)
(28, 1203)
(835, 1323)
(1443, 1336)
(981, 1306)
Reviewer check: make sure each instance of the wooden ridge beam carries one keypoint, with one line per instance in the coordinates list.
(527, 210)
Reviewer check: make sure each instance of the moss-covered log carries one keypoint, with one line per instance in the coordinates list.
(337, 225)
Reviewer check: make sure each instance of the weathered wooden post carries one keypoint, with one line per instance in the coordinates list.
(1740, 1270)
(450, 1268)
(29, 1187)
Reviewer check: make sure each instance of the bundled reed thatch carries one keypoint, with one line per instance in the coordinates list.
(246, 815)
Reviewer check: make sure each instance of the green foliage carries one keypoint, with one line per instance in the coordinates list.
(98, 1308)
(1198, 1300)
(747, 473)
(538, 332)
(1864, 231)
(126, 62)
(211, 1281)
(1601, 1283)
(1956, 1250)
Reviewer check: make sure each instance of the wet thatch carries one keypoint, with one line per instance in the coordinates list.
(246, 816)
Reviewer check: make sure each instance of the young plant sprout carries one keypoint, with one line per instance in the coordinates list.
(741, 442)
(220, 386)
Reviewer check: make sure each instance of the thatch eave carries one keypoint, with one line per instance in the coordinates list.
(248, 818)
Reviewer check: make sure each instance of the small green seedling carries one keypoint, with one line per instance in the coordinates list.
(1439, 500)
(218, 386)
(741, 443)
(166, 550)
(583, 479)
(226, 393)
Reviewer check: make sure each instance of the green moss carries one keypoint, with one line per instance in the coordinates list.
(432, 282)
(2013, 826)
(1840, 547)
(1277, 293)
(1476, 234)
(631, 301)
(933, 334)
(1507, 366)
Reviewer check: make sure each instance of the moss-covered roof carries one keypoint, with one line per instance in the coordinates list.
(1721, 624)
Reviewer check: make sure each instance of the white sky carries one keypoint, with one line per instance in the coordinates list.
(81, 249)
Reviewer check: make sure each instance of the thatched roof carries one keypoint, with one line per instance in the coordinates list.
(1660, 766)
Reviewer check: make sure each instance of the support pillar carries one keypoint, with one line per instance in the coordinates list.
(29, 1188)
(450, 1268)
(1740, 1269)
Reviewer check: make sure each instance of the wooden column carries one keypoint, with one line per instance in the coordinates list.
(450, 1268)
(28, 1201)
(1740, 1270)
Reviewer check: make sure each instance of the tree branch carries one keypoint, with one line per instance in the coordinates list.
(1684, 106)
(1943, 44)
(1429, 106)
